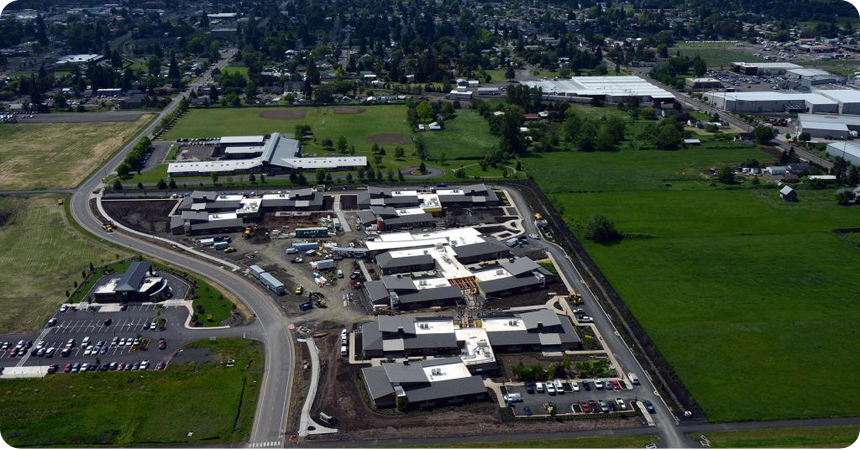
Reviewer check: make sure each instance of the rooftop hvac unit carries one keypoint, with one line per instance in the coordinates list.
(500, 272)
(512, 323)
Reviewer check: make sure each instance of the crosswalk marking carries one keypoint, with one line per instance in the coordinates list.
(265, 444)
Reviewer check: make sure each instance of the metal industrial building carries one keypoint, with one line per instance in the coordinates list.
(828, 126)
(772, 102)
(848, 151)
(773, 68)
(611, 89)
(811, 77)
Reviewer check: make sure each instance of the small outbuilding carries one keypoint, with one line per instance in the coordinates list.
(788, 194)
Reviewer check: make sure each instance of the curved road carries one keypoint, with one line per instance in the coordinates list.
(270, 327)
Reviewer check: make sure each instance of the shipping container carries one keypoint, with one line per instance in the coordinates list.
(312, 232)
(272, 283)
(257, 271)
(303, 246)
(323, 264)
(220, 245)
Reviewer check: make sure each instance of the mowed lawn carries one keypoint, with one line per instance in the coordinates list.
(58, 155)
(42, 256)
(806, 437)
(631, 169)
(581, 442)
(384, 125)
(465, 136)
(715, 54)
(189, 403)
(752, 300)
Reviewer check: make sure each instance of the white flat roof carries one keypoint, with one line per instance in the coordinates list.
(492, 274)
(433, 326)
(321, 163)
(259, 139)
(830, 126)
(764, 96)
(829, 118)
(503, 324)
(446, 372)
(840, 95)
(244, 149)
(213, 166)
(620, 86)
(810, 72)
(476, 348)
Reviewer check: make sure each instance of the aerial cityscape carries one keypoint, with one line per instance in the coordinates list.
(430, 224)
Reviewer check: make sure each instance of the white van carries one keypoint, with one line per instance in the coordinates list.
(539, 387)
(514, 397)
(633, 378)
(292, 250)
(343, 350)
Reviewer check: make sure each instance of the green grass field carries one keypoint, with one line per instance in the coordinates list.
(187, 404)
(216, 308)
(42, 256)
(807, 437)
(732, 284)
(582, 442)
(58, 155)
(466, 136)
(233, 69)
(715, 54)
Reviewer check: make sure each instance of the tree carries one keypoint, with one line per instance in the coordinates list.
(425, 111)
(726, 175)
(172, 183)
(117, 185)
(320, 176)
(668, 138)
(161, 184)
(853, 178)
(804, 137)
(400, 175)
(601, 230)
(399, 152)
(140, 185)
(252, 178)
(844, 197)
(349, 177)
(390, 175)
(763, 134)
(123, 170)
(442, 158)
(509, 73)
(605, 141)
(173, 70)
(422, 168)
(250, 91)
(342, 145)
(153, 65)
(214, 176)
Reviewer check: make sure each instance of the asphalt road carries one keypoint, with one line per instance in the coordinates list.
(270, 326)
(670, 435)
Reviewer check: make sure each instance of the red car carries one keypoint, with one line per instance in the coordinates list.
(595, 407)
(120, 366)
(53, 368)
(162, 344)
(68, 368)
(14, 352)
(160, 366)
(585, 408)
(616, 385)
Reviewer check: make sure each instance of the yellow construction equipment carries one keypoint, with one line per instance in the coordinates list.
(575, 298)
(229, 250)
(248, 232)
(59, 201)
(538, 216)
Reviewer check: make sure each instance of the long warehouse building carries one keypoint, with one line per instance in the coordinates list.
(611, 89)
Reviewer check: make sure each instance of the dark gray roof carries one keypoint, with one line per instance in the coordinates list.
(224, 204)
(376, 290)
(217, 224)
(195, 215)
(314, 199)
(481, 248)
(520, 266)
(507, 283)
(386, 261)
(133, 277)
(409, 219)
(405, 373)
(394, 324)
(366, 216)
(377, 382)
(459, 387)
(426, 295)
(204, 195)
(562, 332)
(383, 211)
(176, 222)
(185, 203)
(540, 318)
(398, 283)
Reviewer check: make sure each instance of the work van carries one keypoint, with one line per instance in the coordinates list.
(343, 350)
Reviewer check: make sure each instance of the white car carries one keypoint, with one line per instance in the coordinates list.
(559, 386)
(539, 387)
(585, 319)
(621, 405)
(550, 389)
(575, 386)
(128, 342)
(598, 383)
(88, 351)
(121, 343)
(144, 364)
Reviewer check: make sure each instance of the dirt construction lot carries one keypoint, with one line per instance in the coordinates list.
(340, 395)
(58, 155)
(289, 114)
(387, 138)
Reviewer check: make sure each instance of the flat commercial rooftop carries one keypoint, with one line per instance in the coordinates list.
(621, 86)
(765, 96)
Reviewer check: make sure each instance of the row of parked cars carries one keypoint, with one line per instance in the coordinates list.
(19, 349)
(114, 366)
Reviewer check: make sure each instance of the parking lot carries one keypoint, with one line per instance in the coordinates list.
(115, 328)
(568, 401)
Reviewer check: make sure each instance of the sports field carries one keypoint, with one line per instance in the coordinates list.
(42, 256)
(189, 403)
(465, 136)
(806, 437)
(715, 54)
(58, 155)
(751, 299)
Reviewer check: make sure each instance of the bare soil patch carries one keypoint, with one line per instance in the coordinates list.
(349, 110)
(387, 138)
(146, 216)
(284, 114)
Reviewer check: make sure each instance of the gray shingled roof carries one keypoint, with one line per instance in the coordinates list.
(133, 277)
(394, 324)
(507, 283)
(520, 266)
(377, 382)
(540, 318)
(217, 224)
(481, 248)
(386, 261)
(396, 283)
(376, 290)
